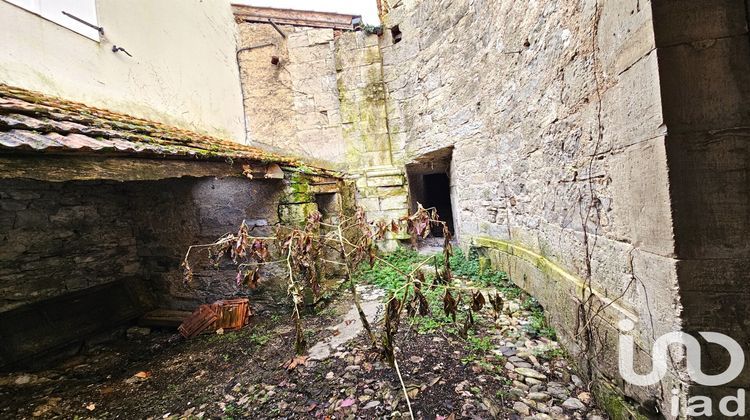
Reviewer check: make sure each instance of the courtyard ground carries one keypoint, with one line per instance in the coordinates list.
(508, 366)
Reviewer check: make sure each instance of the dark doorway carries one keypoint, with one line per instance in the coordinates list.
(430, 186)
(437, 193)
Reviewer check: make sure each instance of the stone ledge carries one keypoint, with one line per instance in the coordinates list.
(548, 269)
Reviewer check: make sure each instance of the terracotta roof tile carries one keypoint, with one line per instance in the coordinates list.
(31, 121)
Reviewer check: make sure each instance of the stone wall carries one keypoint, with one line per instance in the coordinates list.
(325, 100)
(294, 105)
(594, 150)
(171, 215)
(559, 167)
(704, 57)
(95, 255)
(373, 160)
(57, 238)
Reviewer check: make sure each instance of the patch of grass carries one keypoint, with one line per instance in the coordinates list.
(478, 348)
(538, 325)
(468, 266)
(480, 344)
(229, 411)
(550, 352)
(258, 338)
(384, 275)
(389, 277)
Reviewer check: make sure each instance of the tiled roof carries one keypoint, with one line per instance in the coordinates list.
(34, 122)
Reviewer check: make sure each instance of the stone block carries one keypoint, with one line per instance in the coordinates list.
(710, 193)
(297, 40)
(385, 181)
(350, 41)
(395, 202)
(296, 214)
(688, 21)
(379, 158)
(348, 58)
(309, 54)
(319, 36)
(370, 204)
(706, 85)
(641, 198)
(625, 34)
(631, 109)
(350, 79)
(376, 142)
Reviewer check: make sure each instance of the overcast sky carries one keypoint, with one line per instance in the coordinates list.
(367, 8)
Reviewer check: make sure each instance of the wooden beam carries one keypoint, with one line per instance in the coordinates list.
(305, 18)
(82, 168)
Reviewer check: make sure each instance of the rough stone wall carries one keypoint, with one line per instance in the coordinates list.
(171, 215)
(559, 168)
(57, 238)
(60, 238)
(294, 105)
(325, 101)
(60, 241)
(373, 160)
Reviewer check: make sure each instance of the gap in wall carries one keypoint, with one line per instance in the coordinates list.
(430, 186)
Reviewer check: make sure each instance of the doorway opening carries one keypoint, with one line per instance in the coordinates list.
(430, 186)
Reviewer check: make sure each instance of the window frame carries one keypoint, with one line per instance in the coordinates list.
(35, 8)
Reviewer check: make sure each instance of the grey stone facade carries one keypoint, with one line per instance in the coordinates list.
(596, 158)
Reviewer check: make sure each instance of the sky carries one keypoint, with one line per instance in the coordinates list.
(367, 8)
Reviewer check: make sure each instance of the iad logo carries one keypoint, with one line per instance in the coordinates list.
(697, 405)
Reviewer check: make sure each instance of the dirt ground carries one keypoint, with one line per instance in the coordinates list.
(246, 374)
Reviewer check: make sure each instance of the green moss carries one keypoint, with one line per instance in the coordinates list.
(298, 189)
(296, 214)
(613, 402)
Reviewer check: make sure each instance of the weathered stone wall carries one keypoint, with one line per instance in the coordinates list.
(130, 238)
(559, 168)
(325, 101)
(57, 238)
(171, 215)
(294, 105)
(62, 237)
(373, 160)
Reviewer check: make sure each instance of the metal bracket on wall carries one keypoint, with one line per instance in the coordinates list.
(283, 35)
(90, 25)
(252, 47)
